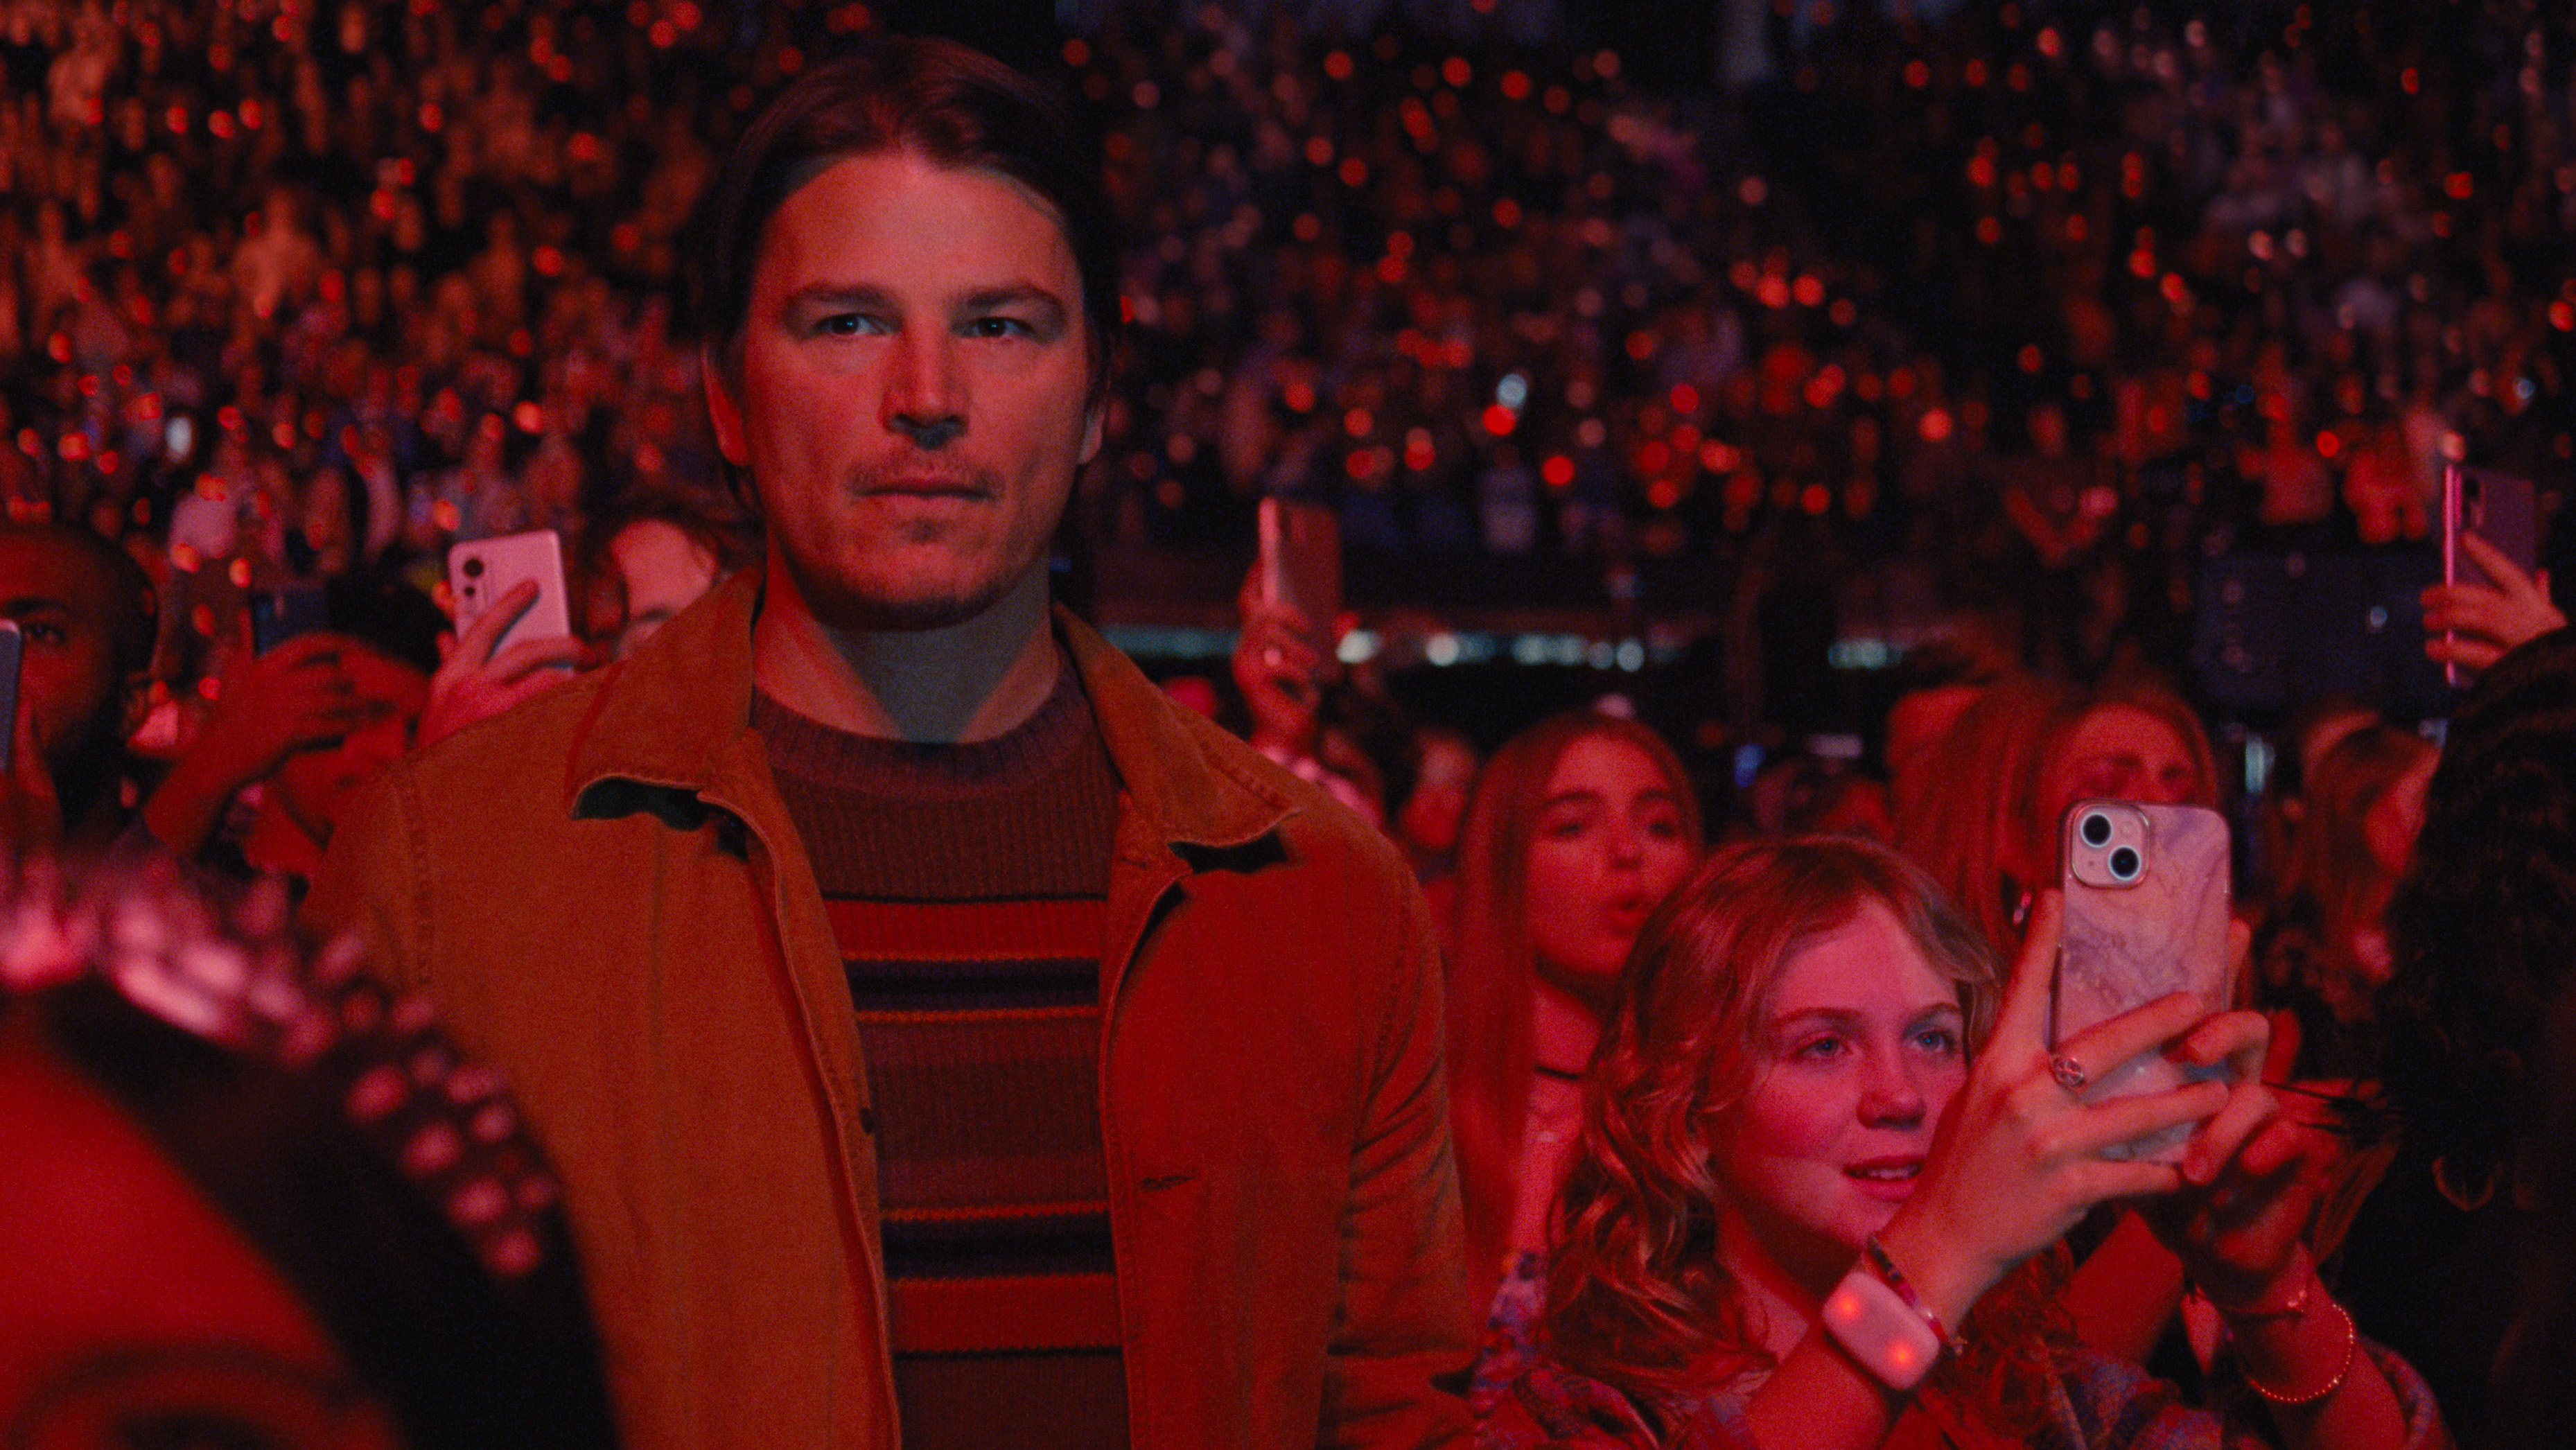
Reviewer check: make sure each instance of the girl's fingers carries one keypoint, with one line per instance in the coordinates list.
(2101, 1180)
(2223, 1138)
(2021, 1024)
(2242, 1040)
(477, 641)
(2108, 1043)
(2090, 1128)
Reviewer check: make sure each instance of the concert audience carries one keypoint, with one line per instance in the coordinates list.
(2478, 931)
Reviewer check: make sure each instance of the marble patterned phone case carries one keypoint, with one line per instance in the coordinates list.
(2136, 934)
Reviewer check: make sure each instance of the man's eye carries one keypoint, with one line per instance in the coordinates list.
(998, 327)
(43, 633)
(845, 324)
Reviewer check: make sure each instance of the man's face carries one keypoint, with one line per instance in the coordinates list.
(913, 393)
(68, 683)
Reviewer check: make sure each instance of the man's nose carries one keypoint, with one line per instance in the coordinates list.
(925, 397)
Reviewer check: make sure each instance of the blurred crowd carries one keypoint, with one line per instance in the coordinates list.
(2037, 310)
(2052, 305)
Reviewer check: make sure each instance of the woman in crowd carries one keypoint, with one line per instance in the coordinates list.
(1577, 828)
(1814, 1142)
(2325, 949)
(2479, 930)
(1986, 828)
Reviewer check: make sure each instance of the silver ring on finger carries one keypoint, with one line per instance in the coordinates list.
(2069, 1073)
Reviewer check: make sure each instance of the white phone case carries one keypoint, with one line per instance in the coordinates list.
(481, 571)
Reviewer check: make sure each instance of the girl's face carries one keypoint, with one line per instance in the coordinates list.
(1611, 841)
(1859, 1051)
(2120, 752)
(2391, 824)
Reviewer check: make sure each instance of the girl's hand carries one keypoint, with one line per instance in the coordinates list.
(474, 682)
(2473, 625)
(2252, 1179)
(2017, 1160)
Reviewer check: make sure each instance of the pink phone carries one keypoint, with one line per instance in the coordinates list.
(481, 571)
(2146, 916)
(2498, 508)
(1301, 564)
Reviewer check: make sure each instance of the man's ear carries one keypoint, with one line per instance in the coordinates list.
(723, 410)
(1094, 418)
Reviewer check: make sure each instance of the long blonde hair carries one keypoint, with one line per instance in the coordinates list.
(1492, 971)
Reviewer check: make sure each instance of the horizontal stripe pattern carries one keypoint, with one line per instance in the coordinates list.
(966, 889)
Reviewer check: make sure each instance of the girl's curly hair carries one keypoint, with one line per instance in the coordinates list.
(1636, 1294)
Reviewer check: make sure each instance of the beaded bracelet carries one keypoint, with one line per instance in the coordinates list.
(2351, 1341)
(1904, 1287)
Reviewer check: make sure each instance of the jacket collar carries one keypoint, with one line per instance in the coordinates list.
(678, 715)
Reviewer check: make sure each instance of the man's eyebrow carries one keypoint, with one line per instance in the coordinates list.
(32, 604)
(1013, 294)
(837, 294)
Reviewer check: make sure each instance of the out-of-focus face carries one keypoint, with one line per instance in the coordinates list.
(1611, 842)
(2393, 821)
(663, 570)
(65, 611)
(913, 394)
(1859, 1051)
(1430, 817)
(1917, 724)
(315, 786)
(138, 1315)
(2120, 752)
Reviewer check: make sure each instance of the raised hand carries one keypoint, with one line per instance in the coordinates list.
(2018, 1158)
(295, 697)
(2473, 625)
(474, 682)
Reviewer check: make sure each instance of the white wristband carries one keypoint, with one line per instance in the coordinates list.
(1880, 1330)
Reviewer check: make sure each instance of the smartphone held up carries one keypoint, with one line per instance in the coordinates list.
(482, 572)
(2146, 916)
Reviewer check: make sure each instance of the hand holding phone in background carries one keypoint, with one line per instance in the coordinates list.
(292, 691)
(514, 634)
(1283, 656)
(2491, 597)
(2469, 626)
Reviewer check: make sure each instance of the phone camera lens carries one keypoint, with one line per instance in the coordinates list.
(2124, 864)
(473, 568)
(2095, 828)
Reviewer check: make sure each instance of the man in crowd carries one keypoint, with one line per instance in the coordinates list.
(84, 612)
(935, 1027)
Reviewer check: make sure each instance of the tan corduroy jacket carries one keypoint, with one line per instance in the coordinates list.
(603, 893)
